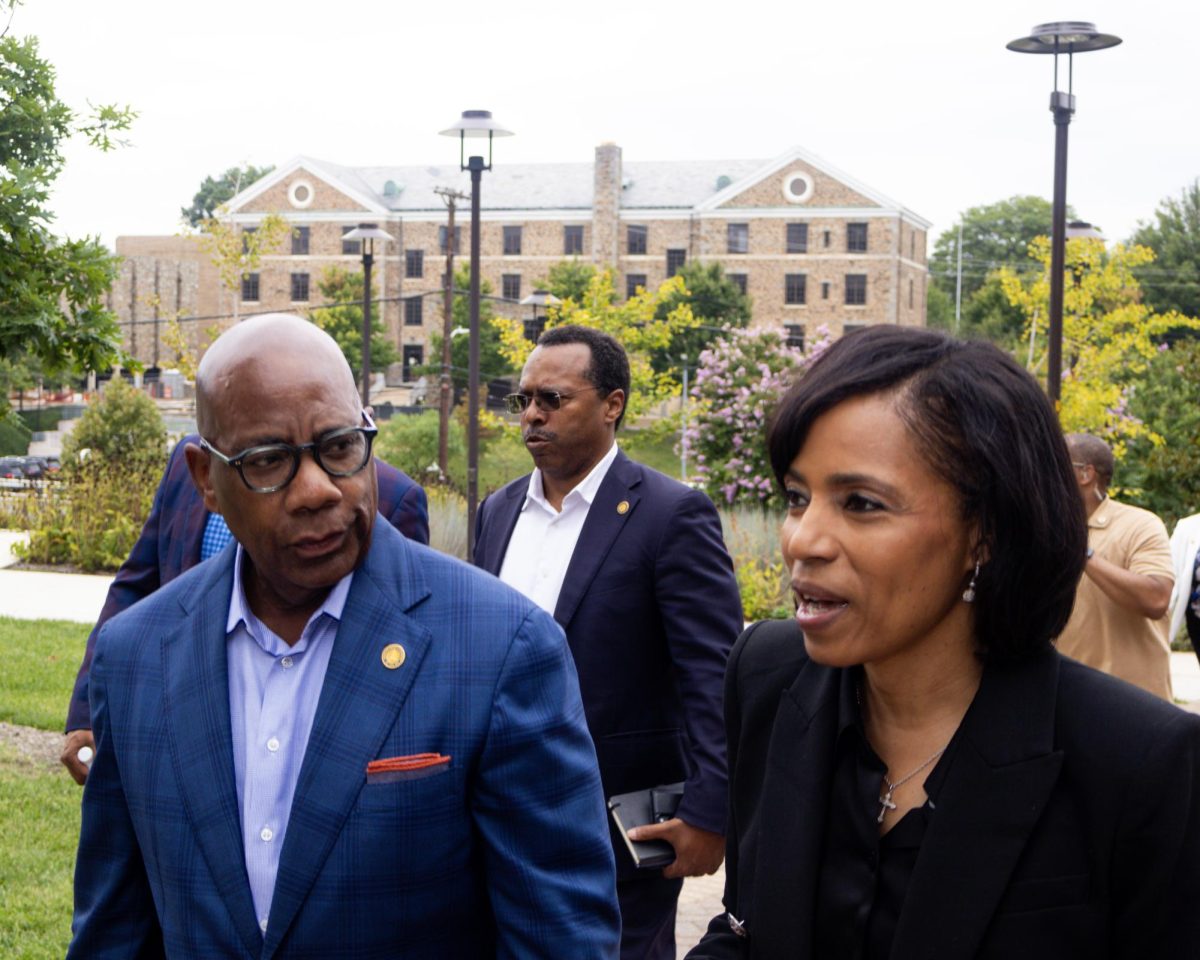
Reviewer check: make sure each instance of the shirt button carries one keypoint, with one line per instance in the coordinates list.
(262, 924)
(286, 663)
(267, 834)
(273, 744)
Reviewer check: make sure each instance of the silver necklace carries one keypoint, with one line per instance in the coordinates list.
(885, 799)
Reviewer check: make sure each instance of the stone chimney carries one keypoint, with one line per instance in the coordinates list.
(606, 205)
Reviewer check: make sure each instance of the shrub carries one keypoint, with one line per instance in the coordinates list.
(122, 425)
(14, 435)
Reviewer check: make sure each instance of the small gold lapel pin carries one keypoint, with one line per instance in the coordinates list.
(623, 507)
(392, 656)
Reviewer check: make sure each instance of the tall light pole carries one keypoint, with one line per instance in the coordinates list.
(367, 235)
(477, 124)
(1069, 38)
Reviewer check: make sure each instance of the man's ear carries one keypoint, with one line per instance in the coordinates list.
(199, 463)
(614, 406)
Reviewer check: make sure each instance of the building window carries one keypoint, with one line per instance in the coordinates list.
(510, 286)
(856, 288)
(738, 238)
(299, 287)
(413, 313)
(635, 240)
(738, 280)
(912, 246)
(246, 231)
(794, 288)
(824, 289)
(826, 238)
(414, 264)
(632, 282)
(413, 357)
(442, 231)
(512, 241)
(794, 334)
(249, 286)
(533, 328)
(300, 241)
(910, 294)
(797, 238)
(856, 237)
(572, 241)
(675, 260)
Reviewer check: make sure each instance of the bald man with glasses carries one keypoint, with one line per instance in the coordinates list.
(328, 741)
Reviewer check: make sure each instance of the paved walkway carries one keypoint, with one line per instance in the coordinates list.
(65, 596)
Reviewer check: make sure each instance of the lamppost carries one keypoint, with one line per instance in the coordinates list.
(474, 123)
(1070, 38)
(367, 235)
(543, 299)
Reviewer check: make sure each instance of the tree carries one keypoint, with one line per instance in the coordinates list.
(344, 322)
(1173, 281)
(52, 289)
(994, 235)
(740, 379)
(716, 302)
(569, 279)
(236, 252)
(493, 363)
(635, 324)
(1109, 335)
(214, 192)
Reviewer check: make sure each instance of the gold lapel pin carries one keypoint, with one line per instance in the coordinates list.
(392, 656)
(623, 507)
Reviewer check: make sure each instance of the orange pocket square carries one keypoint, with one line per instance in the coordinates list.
(412, 767)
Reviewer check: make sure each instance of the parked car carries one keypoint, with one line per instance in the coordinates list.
(12, 473)
(35, 468)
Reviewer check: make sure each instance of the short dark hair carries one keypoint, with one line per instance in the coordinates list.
(986, 428)
(609, 369)
(1094, 452)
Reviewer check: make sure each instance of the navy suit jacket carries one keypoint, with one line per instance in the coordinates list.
(1067, 824)
(170, 544)
(651, 607)
(505, 854)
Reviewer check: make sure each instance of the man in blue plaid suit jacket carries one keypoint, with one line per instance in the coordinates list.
(438, 797)
(178, 534)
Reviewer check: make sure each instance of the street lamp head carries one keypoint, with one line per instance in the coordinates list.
(540, 298)
(368, 233)
(1082, 230)
(477, 124)
(1066, 36)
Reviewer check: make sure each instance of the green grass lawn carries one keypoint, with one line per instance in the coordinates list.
(37, 857)
(39, 803)
(41, 658)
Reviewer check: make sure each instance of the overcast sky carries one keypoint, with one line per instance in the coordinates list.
(919, 100)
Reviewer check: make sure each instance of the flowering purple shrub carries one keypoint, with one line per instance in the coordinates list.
(739, 380)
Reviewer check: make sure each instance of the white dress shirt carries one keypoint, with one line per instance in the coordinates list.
(543, 541)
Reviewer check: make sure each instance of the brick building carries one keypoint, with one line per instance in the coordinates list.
(809, 244)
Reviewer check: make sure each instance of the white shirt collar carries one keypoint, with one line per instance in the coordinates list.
(583, 492)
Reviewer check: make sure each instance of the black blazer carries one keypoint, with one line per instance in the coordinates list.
(651, 608)
(1068, 824)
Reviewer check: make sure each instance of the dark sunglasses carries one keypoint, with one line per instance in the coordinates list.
(545, 399)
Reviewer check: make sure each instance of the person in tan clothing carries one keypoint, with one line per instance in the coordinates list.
(1119, 624)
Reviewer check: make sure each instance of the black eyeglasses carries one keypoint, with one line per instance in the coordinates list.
(271, 466)
(545, 399)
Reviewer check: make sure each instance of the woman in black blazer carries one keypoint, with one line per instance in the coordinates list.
(914, 771)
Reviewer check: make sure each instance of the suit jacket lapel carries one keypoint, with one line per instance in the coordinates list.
(196, 693)
(599, 531)
(359, 703)
(795, 802)
(503, 510)
(1000, 778)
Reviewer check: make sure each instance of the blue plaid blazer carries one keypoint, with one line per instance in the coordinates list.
(170, 544)
(504, 854)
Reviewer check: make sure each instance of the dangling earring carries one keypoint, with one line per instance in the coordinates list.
(969, 593)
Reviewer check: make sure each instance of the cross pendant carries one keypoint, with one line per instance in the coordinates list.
(885, 804)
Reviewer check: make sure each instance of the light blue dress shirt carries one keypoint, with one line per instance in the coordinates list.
(273, 694)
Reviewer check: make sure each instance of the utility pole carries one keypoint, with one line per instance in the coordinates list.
(449, 197)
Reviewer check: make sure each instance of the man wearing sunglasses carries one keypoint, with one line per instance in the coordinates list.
(329, 741)
(633, 566)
